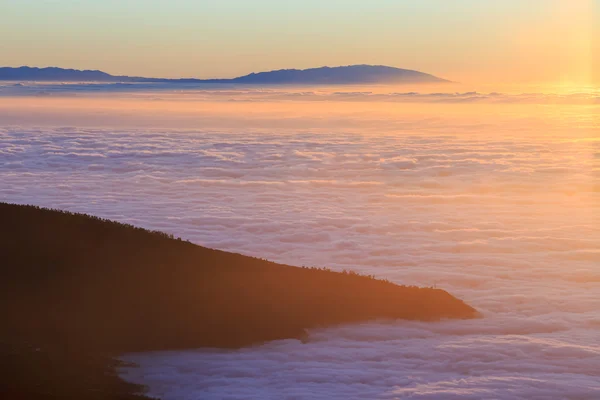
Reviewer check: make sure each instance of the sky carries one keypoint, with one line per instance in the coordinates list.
(509, 41)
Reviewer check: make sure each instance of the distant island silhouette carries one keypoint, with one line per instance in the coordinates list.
(77, 290)
(345, 75)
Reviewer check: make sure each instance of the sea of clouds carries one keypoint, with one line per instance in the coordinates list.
(499, 205)
(445, 93)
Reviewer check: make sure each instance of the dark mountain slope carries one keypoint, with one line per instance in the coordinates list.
(92, 286)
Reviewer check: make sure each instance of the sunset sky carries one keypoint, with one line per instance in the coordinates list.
(509, 41)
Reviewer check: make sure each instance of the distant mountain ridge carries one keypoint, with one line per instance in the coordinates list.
(346, 75)
(53, 74)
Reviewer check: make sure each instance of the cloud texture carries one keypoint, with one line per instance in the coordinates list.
(501, 208)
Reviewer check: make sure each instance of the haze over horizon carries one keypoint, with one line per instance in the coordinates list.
(542, 41)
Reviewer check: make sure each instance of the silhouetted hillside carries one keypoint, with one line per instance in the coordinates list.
(92, 286)
(29, 372)
(348, 75)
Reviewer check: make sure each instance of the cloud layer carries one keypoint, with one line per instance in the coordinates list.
(502, 211)
(445, 94)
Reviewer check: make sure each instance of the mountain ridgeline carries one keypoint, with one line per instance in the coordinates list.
(346, 75)
(85, 286)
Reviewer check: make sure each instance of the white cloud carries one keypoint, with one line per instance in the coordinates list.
(501, 210)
